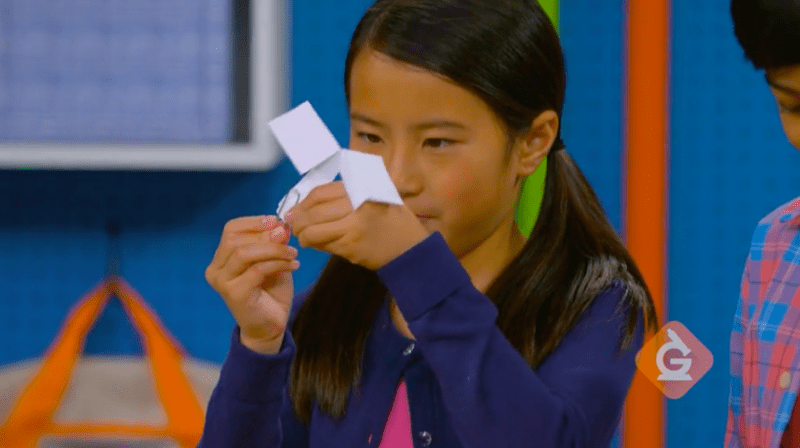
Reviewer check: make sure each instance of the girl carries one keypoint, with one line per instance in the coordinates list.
(437, 323)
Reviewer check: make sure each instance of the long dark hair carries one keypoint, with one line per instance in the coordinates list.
(508, 53)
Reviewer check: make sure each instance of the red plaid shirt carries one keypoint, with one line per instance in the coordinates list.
(766, 334)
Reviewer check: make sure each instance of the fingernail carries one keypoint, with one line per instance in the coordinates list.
(293, 251)
(295, 264)
(276, 232)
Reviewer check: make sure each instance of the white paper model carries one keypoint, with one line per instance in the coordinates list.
(313, 150)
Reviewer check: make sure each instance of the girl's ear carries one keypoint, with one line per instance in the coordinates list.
(534, 145)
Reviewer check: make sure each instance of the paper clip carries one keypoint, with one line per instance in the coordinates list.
(282, 207)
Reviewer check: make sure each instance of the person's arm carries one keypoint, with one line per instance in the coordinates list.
(574, 398)
(733, 436)
(250, 406)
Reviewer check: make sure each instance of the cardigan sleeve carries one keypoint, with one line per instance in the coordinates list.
(250, 405)
(574, 398)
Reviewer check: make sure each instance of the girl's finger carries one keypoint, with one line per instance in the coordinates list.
(279, 234)
(320, 235)
(230, 244)
(325, 193)
(252, 278)
(250, 224)
(320, 194)
(321, 212)
(246, 256)
(239, 228)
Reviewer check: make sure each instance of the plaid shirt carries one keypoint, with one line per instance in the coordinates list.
(765, 373)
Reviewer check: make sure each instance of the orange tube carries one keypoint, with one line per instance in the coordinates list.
(646, 127)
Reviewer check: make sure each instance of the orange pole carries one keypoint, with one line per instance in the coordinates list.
(646, 192)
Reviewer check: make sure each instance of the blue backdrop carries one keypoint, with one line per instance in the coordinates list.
(730, 165)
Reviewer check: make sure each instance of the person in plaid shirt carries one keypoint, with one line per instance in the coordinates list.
(765, 361)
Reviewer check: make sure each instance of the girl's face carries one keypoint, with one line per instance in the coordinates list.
(785, 85)
(442, 145)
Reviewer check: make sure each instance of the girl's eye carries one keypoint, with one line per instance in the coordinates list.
(438, 142)
(371, 138)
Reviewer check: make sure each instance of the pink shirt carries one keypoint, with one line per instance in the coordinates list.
(397, 433)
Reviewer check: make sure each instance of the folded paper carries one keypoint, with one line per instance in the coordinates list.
(313, 150)
(366, 179)
(304, 137)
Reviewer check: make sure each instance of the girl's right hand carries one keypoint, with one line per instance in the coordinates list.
(252, 271)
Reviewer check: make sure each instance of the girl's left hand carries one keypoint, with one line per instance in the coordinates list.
(371, 236)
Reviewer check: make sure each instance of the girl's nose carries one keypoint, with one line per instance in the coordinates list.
(404, 169)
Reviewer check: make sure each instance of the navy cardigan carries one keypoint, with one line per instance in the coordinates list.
(467, 386)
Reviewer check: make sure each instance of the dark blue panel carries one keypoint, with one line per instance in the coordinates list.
(321, 35)
(54, 247)
(592, 37)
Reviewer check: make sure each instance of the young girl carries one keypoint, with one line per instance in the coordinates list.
(437, 323)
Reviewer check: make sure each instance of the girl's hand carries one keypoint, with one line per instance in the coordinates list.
(371, 236)
(252, 271)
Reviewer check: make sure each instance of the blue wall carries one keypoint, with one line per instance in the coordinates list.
(730, 165)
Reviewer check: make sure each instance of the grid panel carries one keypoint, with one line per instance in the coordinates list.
(115, 71)
(592, 36)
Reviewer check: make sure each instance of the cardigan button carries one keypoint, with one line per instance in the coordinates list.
(408, 349)
(426, 438)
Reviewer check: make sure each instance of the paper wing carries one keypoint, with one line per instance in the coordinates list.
(304, 137)
(366, 179)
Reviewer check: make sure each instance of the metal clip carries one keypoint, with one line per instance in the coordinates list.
(284, 206)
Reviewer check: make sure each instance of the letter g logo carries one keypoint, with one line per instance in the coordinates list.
(674, 375)
(685, 363)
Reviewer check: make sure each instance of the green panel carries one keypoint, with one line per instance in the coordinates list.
(531, 196)
(530, 199)
(551, 7)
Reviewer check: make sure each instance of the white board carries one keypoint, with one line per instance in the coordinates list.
(269, 96)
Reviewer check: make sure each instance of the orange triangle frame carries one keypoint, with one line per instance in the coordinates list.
(32, 416)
